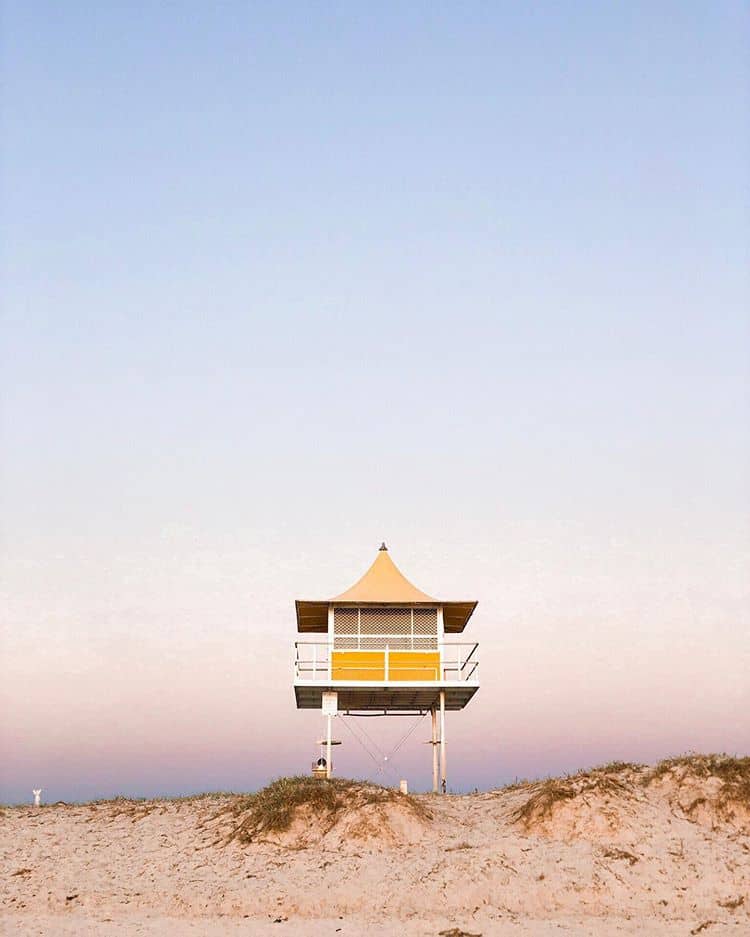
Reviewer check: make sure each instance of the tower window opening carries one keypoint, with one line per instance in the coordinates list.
(372, 628)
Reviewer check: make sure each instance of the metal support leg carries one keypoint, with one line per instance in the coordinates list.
(328, 748)
(433, 713)
(443, 753)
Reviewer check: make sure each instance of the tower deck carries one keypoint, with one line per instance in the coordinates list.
(383, 697)
(379, 681)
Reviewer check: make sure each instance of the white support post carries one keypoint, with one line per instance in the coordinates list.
(443, 753)
(328, 747)
(433, 713)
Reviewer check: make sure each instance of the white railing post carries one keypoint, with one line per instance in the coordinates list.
(331, 638)
(441, 642)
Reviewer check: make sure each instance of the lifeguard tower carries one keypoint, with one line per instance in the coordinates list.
(385, 652)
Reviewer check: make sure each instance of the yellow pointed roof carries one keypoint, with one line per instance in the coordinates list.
(382, 584)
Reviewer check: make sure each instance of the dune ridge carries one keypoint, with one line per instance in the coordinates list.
(598, 852)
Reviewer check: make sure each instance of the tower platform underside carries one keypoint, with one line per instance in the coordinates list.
(380, 697)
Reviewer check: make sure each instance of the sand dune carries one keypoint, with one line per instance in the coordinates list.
(617, 850)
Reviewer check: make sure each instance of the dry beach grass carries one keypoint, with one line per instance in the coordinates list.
(620, 849)
(280, 806)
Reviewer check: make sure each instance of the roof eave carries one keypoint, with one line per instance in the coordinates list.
(317, 615)
(464, 612)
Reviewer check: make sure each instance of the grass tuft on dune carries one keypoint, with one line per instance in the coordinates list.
(547, 794)
(275, 808)
(733, 775)
(733, 772)
(717, 785)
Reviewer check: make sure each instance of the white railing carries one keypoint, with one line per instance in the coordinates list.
(459, 663)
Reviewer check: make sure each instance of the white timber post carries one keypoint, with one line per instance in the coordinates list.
(443, 753)
(433, 713)
(328, 746)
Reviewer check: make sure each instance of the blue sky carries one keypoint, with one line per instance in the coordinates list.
(280, 282)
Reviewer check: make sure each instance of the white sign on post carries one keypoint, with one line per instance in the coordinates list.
(330, 704)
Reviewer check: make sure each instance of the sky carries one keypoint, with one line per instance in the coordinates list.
(281, 281)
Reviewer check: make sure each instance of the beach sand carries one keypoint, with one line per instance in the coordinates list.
(622, 851)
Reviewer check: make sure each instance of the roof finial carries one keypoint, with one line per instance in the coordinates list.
(383, 547)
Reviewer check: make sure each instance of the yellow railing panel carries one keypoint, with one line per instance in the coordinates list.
(358, 665)
(403, 666)
(413, 665)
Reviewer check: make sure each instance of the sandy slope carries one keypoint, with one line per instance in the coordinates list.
(614, 855)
